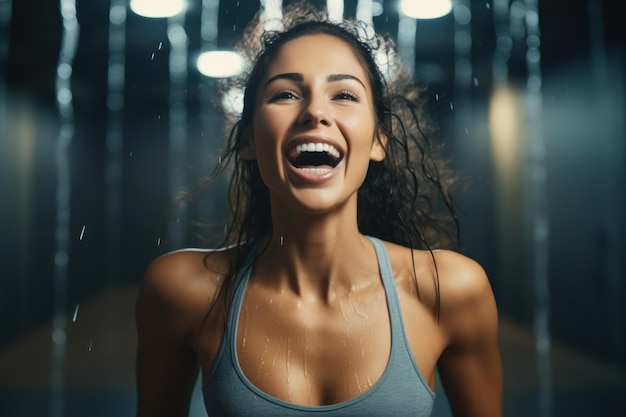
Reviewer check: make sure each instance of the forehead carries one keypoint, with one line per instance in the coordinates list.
(319, 53)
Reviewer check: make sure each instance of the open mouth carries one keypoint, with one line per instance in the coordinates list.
(314, 158)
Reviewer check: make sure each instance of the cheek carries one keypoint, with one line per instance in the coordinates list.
(267, 131)
(362, 129)
(268, 126)
(361, 120)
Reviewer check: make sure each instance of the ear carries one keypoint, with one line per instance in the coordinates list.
(379, 146)
(247, 151)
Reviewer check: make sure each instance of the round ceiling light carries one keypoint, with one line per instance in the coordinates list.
(219, 64)
(157, 9)
(425, 9)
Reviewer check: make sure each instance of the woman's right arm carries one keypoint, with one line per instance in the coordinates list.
(166, 367)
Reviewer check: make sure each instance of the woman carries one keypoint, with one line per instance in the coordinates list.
(328, 299)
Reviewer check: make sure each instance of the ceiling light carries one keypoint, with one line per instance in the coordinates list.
(219, 64)
(425, 9)
(157, 8)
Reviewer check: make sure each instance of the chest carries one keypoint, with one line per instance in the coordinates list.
(319, 354)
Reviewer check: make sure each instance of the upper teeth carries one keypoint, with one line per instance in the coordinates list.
(317, 147)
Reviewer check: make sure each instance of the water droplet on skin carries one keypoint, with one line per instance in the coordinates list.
(287, 355)
(355, 308)
(343, 313)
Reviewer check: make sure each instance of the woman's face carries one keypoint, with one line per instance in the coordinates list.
(314, 129)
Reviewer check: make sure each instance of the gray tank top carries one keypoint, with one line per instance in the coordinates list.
(401, 390)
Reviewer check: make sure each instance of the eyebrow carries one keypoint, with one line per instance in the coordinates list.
(295, 76)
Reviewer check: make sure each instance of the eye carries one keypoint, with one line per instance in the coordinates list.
(284, 95)
(346, 95)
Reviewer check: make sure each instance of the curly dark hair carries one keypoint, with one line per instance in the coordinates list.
(404, 199)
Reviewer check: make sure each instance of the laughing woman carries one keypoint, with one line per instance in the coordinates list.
(335, 294)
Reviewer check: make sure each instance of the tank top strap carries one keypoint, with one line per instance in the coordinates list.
(389, 284)
(241, 282)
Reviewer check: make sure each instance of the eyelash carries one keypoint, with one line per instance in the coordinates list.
(347, 95)
(290, 95)
(284, 95)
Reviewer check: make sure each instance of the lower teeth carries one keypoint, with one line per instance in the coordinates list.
(314, 171)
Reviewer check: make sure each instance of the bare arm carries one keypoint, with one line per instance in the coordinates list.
(166, 367)
(470, 365)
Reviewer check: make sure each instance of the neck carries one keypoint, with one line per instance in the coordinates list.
(317, 256)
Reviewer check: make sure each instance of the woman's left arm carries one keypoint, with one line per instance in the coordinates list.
(470, 366)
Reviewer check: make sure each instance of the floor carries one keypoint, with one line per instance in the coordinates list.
(97, 378)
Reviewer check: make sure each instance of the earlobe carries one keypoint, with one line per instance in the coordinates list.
(379, 146)
(247, 151)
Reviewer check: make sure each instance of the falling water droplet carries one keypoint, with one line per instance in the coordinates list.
(451, 106)
(160, 45)
(131, 154)
(475, 82)
(281, 241)
(152, 57)
(75, 313)
(82, 233)
(159, 242)
(90, 345)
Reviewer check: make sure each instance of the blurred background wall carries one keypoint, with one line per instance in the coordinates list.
(105, 119)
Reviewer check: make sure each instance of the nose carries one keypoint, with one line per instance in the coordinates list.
(315, 112)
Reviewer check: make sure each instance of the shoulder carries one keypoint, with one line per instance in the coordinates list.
(463, 279)
(466, 300)
(181, 273)
(178, 288)
(186, 267)
(468, 308)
